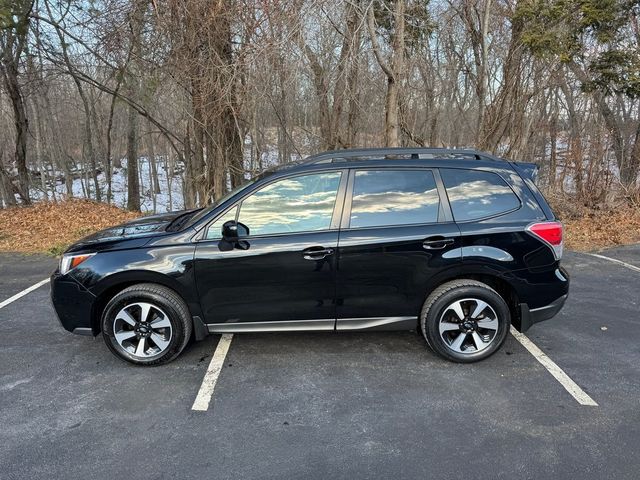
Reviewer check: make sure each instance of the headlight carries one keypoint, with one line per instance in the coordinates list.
(68, 262)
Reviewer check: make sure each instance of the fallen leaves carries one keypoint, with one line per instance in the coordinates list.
(597, 231)
(597, 228)
(48, 227)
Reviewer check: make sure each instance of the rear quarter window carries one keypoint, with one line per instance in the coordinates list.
(475, 194)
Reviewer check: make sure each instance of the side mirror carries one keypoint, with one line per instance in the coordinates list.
(232, 232)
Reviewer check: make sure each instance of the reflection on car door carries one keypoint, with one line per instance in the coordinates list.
(396, 233)
(285, 279)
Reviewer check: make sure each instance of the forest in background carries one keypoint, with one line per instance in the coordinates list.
(166, 104)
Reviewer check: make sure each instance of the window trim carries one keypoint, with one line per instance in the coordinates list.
(487, 217)
(335, 216)
(444, 213)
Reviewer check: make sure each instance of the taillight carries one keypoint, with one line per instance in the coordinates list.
(550, 233)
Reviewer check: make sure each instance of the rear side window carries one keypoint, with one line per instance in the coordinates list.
(393, 197)
(475, 194)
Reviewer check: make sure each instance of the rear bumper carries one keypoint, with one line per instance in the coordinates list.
(72, 304)
(530, 317)
(541, 295)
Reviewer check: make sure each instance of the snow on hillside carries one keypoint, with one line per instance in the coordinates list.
(164, 201)
(171, 197)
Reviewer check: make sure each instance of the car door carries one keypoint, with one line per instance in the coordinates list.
(284, 276)
(397, 233)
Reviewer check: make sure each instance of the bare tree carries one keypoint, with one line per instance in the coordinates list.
(13, 42)
(133, 85)
(392, 67)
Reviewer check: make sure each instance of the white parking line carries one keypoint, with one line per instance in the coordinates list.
(23, 293)
(614, 260)
(205, 393)
(569, 385)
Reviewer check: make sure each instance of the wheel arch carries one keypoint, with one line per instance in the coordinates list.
(115, 283)
(494, 279)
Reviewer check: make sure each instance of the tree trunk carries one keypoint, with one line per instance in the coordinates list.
(133, 86)
(109, 165)
(282, 111)
(168, 167)
(233, 151)
(153, 167)
(133, 185)
(393, 69)
(629, 175)
(505, 115)
(354, 100)
(21, 123)
(6, 187)
(188, 183)
(321, 84)
(574, 152)
(42, 171)
(350, 42)
(553, 139)
(153, 171)
(198, 161)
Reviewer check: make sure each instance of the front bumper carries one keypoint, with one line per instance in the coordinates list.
(530, 317)
(72, 303)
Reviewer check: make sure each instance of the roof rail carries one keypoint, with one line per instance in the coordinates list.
(414, 153)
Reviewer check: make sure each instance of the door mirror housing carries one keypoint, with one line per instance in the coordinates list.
(232, 232)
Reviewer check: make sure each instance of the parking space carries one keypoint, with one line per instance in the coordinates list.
(349, 405)
(595, 337)
(18, 272)
(629, 254)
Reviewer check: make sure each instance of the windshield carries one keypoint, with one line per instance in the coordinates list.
(205, 211)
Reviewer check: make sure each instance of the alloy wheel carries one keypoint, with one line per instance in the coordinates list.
(468, 326)
(142, 330)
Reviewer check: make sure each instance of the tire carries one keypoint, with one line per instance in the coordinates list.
(458, 327)
(158, 339)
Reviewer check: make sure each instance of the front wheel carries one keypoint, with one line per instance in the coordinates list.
(146, 324)
(465, 321)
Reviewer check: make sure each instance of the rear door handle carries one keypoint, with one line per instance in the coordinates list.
(436, 243)
(316, 253)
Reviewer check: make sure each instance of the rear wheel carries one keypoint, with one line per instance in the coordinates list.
(146, 324)
(465, 321)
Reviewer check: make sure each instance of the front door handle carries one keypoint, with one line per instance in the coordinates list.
(316, 253)
(436, 243)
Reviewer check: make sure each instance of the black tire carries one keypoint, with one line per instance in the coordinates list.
(438, 304)
(167, 302)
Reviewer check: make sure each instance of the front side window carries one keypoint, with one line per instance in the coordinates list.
(215, 229)
(296, 204)
(394, 197)
(475, 194)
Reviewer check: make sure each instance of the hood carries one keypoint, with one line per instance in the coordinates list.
(148, 226)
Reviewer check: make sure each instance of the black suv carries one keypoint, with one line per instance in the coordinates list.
(455, 243)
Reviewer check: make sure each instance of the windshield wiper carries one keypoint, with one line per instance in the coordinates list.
(177, 223)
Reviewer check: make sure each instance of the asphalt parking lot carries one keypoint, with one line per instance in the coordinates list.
(326, 405)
